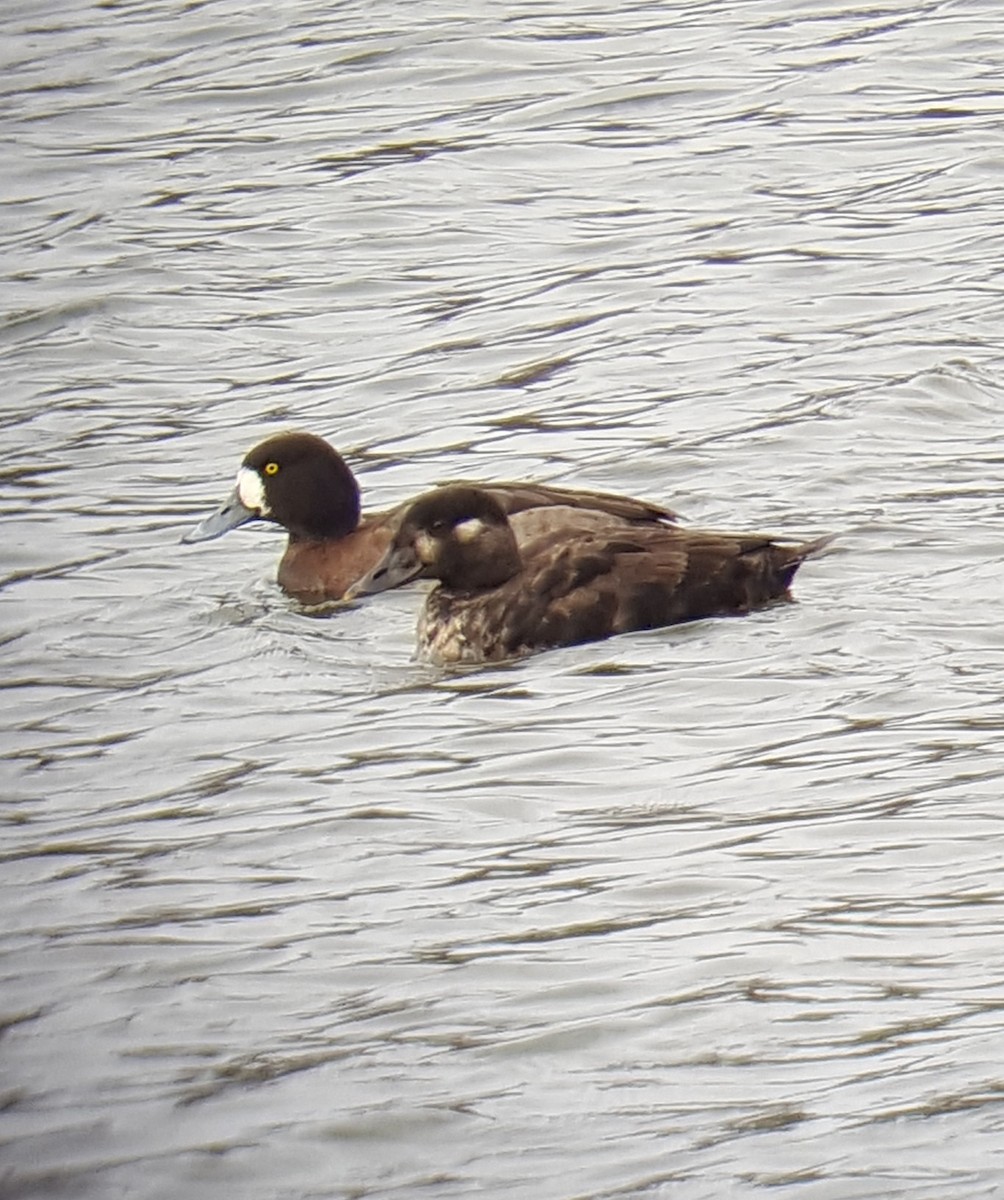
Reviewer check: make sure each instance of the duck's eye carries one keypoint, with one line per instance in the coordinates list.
(271, 468)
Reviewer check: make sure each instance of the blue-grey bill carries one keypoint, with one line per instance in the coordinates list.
(229, 515)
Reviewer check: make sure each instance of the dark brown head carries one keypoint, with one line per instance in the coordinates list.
(296, 480)
(458, 535)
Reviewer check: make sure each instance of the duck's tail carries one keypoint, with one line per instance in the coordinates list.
(787, 559)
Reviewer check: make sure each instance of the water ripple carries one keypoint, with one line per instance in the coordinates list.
(700, 911)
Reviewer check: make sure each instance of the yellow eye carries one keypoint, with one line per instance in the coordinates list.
(271, 468)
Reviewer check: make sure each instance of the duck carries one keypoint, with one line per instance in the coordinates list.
(299, 480)
(500, 597)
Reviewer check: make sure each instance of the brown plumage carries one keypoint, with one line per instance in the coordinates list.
(502, 597)
(299, 481)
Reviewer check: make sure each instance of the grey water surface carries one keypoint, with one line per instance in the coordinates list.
(710, 912)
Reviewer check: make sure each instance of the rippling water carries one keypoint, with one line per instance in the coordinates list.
(696, 913)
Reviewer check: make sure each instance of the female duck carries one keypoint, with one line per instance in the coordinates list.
(299, 481)
(500, 597)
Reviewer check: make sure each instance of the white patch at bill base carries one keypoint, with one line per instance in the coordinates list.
(426, 548)
(251, 491)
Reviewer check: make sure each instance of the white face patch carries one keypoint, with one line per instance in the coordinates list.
(251, 491)
(427, 548)
(467, 531)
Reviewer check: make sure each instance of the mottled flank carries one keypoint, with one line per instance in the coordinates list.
(299, 481)
(501, 596)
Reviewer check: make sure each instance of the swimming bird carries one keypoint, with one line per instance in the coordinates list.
(299, 481)
(501, 597)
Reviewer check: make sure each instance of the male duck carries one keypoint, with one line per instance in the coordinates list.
(501, 597)
(301, 482)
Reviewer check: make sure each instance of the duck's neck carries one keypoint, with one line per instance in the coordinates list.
(330, 511)
(488, 565)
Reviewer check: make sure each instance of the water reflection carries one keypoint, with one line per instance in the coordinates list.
(692, 912)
